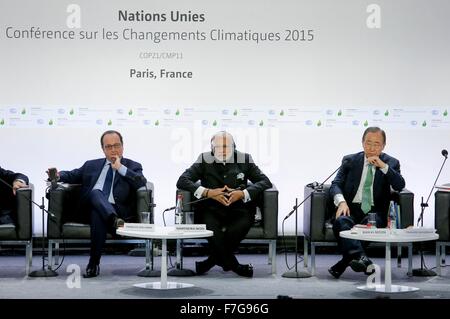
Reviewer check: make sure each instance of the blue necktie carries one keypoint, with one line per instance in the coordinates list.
(108, 182)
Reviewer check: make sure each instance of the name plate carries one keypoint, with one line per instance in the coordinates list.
(139, 226)
(190, 227)
(420, 230)
(372, 231)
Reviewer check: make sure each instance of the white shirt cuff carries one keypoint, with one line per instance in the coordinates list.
(198, 193)
(338, 198)
(122, 170)
(246, 196)
(20, 180)
(385, 169)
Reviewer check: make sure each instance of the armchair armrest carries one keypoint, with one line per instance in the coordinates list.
(269, 212)
(144, 200)
(442, 211)
(63, 203)
(187, 198)
(405, 199)
(316, 211)
(24, 212)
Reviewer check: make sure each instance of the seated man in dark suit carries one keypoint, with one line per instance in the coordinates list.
(108, 188)
(363, 185)
(230, 211)
(7, 194)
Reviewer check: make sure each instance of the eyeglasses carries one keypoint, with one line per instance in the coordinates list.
(109, 147)
(224, 147)
(373, 145)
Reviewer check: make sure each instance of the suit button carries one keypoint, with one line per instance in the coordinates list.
(224, 176)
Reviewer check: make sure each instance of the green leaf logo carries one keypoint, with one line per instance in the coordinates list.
(386, 113)
(130, 112)
(366, 123)
(215, 123)
(424, 123)
(157, 123)
(24, 111)
(340, 113)
(281, 113)
(109, 122)
(2, 122)
(319, 123)
(71, 112)
(177, 112)
(261, 123)
(445, 113)
(235, 113)
(50, 122)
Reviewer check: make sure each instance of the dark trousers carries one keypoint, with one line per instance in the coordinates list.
(230, 226)
(6, 216)
(351, 248)
(102, 213)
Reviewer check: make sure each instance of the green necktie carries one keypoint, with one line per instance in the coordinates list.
(366, 200)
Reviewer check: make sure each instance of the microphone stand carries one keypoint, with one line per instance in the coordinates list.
(178, 270)
(148, 271)
(43, 272)
(306, 273)
(423, 271)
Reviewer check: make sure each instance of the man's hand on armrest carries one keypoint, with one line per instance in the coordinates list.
(342, 210)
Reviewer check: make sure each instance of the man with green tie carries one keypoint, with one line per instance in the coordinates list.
(363, 185)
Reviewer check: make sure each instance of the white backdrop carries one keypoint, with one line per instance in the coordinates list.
(296, 106)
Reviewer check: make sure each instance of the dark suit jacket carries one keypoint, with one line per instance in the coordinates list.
(124, 189)
(348, 178)
(7, 199)
(216, 175)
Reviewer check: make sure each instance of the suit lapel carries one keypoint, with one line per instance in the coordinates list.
(378, 176)
(358, 163)
(98, 167)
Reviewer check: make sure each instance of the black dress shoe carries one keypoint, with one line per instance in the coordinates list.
(361, 264)
(334, 272)
(204, 266)
(338, 269)
(118, 222)
(92, 271)
(244, 270)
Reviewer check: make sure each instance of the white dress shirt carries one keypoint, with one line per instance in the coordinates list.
(338, 198)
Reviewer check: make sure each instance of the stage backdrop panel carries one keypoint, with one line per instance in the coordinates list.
(296, 82)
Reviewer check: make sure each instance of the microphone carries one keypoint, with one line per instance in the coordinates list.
(315, 185)
(444, 153)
